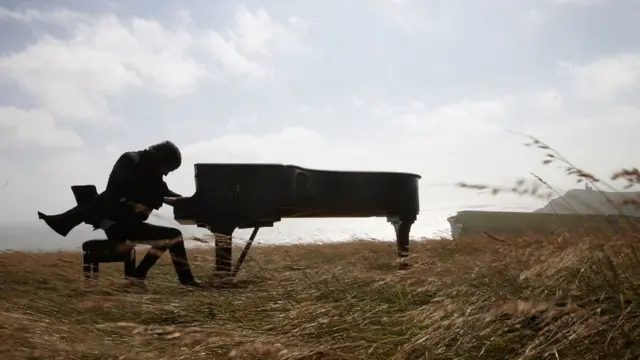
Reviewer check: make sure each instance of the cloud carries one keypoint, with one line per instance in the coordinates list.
(58, 16)
(255, 38)
(295, 144)
(45, 186)
(578, 2)
(601, 142)
(530, 20)
(405, 15)
(227, 53)
(33, 128)
(465, 116)
(605, 78)
(356, 101)
(260, 33)
(398, 135)
(104, 56)
(73, 76)
(548, 100)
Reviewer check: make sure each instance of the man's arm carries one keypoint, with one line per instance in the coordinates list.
(120, 179)
(170, 196)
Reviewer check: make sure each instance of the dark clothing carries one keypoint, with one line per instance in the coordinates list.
(178, 258)
(135, 177)
(141, 232)
(160, 238)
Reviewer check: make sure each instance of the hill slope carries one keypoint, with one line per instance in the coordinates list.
(588, 201)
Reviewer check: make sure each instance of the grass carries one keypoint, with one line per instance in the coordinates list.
(573, 296)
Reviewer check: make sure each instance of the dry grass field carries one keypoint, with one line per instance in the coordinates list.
(569, 296)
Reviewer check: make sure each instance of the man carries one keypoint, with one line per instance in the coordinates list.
(134, 189)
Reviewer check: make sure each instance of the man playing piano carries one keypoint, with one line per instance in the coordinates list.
(134, 189)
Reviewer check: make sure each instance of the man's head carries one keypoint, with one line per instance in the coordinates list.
(168, 155)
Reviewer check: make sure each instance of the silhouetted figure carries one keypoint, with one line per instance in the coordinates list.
(135, 187)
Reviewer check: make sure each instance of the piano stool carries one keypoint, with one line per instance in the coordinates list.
(96, 251)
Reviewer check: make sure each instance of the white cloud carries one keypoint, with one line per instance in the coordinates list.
(46, 186)
(548, 100)
(232, 60)
(625, 115)
(33, 128)
(606, 77)
(255, 34)
(107, 55)
(356, 101)
(531, 19)
(473, 111)
(406, 15)
(411, 131)
(460, 117)
(73, 77)
(577, 2)
(58, 16)
(295, 145)
(259, 32)
(600, 143)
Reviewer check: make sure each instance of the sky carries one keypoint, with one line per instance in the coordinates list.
(438, 88)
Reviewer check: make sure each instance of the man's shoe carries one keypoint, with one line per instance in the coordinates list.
(191, 284)
(58, 223)
(135, 283)
(185, 276)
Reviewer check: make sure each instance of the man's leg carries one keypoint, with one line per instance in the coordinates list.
(160, 238)
(65, 222)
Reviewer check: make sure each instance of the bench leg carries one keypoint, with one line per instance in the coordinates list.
(130, 264)
(95, 267)
(86, 267)
(91, 267)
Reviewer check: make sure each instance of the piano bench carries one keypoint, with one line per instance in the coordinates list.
(98, 251)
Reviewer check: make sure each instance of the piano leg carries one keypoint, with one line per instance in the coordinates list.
(223, 239)
(245, 251)
(402, 228)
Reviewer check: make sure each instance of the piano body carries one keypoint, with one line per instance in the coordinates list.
(232, 196)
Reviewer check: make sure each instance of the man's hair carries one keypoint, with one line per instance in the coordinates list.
(168, 154)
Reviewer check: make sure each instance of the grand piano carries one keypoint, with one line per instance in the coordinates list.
(232, 196)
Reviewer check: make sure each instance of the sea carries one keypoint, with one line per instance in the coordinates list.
(431, 224)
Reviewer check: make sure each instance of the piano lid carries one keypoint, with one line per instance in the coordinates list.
(230, 165)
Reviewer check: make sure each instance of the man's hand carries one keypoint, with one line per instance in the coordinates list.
(124, 247)
(171, 200)
(139, 208)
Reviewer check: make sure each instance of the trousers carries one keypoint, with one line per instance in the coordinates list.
(161, 239)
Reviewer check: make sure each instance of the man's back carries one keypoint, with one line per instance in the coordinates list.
(134, 178)
(135, 187)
